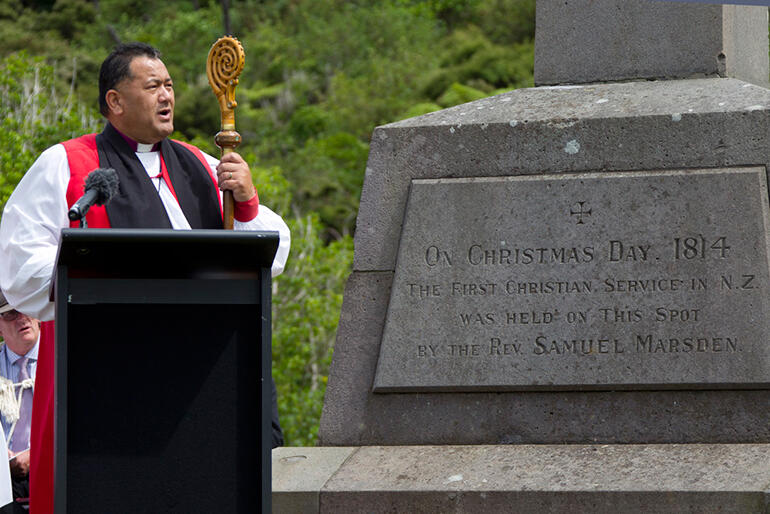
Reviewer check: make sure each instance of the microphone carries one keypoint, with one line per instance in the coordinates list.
(101, 186)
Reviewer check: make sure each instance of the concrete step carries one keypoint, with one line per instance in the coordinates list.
(663, 478)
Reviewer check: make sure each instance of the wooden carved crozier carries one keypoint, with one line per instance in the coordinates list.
(224, 64)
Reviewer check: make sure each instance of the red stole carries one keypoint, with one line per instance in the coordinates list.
(83, 158)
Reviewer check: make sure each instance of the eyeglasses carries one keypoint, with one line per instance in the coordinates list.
(10, 315)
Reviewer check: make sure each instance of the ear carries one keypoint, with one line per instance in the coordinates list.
(114, 102)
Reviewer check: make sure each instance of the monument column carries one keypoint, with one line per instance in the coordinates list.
(574, 279)
(581, 41)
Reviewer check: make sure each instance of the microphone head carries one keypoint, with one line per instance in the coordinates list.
(105, 182)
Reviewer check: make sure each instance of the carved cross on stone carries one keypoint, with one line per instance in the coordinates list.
(580, 211)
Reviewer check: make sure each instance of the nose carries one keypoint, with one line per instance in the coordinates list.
(165, 95)
(22, 319)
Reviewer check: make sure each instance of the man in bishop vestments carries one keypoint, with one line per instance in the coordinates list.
(163, 184)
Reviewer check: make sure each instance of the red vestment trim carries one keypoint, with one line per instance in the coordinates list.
(248, 210)
(83, 158)
(41, 449)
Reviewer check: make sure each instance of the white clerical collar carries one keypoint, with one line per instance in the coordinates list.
(143, 148)
(137, 146)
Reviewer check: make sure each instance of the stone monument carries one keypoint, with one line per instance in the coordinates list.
(572, 278)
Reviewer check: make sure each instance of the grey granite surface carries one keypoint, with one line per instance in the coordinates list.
(646, 280)
(530, 478)
(580, 41)
(614, 129)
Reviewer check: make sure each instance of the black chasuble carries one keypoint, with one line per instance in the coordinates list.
(137, 203)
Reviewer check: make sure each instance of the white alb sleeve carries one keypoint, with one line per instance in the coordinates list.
(29, 233)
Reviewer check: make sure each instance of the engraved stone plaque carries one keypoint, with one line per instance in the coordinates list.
(618, 280)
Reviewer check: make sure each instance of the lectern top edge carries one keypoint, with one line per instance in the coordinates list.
(166, 248)
(164, 253)
(163, 235)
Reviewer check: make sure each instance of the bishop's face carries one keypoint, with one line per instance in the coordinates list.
(143, 106)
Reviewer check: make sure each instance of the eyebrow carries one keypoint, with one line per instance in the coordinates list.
(157, 80)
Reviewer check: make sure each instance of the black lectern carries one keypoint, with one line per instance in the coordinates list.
(163, 371)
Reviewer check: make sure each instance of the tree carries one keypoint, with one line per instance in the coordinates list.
(307, 302)
(34, 114)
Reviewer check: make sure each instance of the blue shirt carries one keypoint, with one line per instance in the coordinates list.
(9, 368)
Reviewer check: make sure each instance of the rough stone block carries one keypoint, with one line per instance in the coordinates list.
(346, 404)
(536, 479)
(581, 41)
(300, 473)
(624, 127)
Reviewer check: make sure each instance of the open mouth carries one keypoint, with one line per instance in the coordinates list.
(165, 113)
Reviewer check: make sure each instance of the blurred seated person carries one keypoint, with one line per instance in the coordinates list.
(18, 362)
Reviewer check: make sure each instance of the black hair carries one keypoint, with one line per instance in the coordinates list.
(116, 68)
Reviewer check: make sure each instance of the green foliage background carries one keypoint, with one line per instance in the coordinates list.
(319, 76)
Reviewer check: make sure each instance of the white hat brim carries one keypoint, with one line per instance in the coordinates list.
(4, 305)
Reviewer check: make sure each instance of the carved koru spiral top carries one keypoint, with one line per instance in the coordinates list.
(224, 64)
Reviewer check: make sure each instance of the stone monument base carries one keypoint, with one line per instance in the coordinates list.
(422, 357)
(650, 478)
